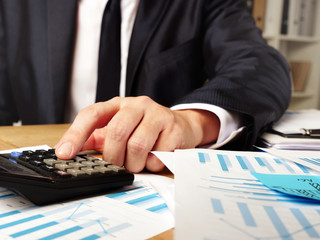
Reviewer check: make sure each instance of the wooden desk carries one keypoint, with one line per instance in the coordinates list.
(33, 135)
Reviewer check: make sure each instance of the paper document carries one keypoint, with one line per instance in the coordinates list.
(272, 140)
(133, 212)
(294, 122)
(310, 159)
(218, 198)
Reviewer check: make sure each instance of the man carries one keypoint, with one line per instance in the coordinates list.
(182, 53)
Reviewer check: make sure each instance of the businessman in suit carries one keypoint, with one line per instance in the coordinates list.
(197, 57)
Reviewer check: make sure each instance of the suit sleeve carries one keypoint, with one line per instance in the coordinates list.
(244, 74)
(7, 106)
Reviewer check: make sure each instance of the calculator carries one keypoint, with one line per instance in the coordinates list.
(43, 178)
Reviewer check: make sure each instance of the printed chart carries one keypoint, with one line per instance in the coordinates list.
(137, 211)
(231, 202)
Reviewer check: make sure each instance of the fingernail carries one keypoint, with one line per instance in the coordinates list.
(65, 150)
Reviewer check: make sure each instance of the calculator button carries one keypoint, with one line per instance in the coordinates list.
(76, 165)
(117, 168)
(48, 168)
(101, 162)
(36, 162)
(104, 170)
(79, 159)
(89, 164)
(28, 152)
(16, 154)
(24, 158)
(50, 161)
(75, 172)
(90, 171)
(62, 166)
(62, 173)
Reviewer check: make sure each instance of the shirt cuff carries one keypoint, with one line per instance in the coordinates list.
(230, 122)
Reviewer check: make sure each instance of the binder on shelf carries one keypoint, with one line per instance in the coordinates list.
(307, 18)
(272, 17)
(300, 74)
(294, 17)
(258, 12)
(284, 21)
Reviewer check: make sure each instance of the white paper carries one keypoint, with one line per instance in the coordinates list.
(293, 122)
(310, 159)
(218, 198)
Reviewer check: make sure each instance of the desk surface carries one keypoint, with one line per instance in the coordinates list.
(33, 135)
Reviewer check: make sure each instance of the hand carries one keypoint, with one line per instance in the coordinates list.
(125, 130)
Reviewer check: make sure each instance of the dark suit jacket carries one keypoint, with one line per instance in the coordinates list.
(181, 51)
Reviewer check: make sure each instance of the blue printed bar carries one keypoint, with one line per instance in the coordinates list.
(304, 223)
(222, 162)
(245, 164)
(284, 163)
(201, 157)
(277, 223)
(125, 193)
(158, 208)
(62, 233)
(143, 199)
(246, 215)
(217, 206)
(312, 161)
(9, 213)
(20, 221)
(34, 229)
(264, 163)
(303, 168)
(10, 195)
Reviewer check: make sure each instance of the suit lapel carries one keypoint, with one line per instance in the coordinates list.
(149, 16)
(61, 17)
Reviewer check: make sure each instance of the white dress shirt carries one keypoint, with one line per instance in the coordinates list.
(85, 65)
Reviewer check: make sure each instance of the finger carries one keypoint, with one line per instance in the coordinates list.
(95, 141)
(90, 118)
(165, 142)
(141, 142)
(118, 131)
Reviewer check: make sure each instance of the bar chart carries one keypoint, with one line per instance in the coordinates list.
(234, 204)
(137, 211)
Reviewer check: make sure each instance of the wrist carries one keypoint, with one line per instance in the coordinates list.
(205, 125)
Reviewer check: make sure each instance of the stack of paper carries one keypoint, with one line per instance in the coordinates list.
(295, 130)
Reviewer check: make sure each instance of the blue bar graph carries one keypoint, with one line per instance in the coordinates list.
(49, 224)
(91, 237)
(303, 168)
(313, 161)
(70, 230)
(34, 229)
(142, 199)
(284, 163)
(246, 214)
(217, 205)
(158, 208)
(9, 213)
(20, 221)
(203, 157)
(222, 161)
(277, 222)
(264, 163)
(245, 164)
(304, 223)
(62, 233)
(127, 192)
(111, 230)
